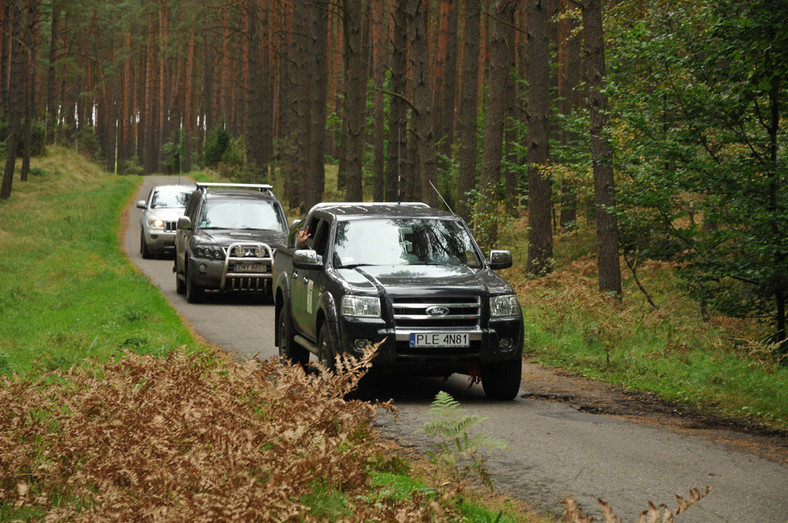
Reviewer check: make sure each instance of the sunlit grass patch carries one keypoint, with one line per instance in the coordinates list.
(68, 292)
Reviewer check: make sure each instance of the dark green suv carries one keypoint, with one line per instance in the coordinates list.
(226, 238)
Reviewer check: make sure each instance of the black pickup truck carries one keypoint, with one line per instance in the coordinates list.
(404, 273)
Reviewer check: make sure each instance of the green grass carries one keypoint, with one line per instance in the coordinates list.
(717, 366)
(67, 291)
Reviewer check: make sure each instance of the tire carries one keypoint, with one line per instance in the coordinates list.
(180, 285)
(325, 351)
(194, 293)
(146, 254)
(501, 381)
(289, 350)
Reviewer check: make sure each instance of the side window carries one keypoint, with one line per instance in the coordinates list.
(320, 238)
(190, 210)
(313, 226)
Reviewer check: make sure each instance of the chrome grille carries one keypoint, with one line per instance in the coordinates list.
(462, 311)
(170, 226)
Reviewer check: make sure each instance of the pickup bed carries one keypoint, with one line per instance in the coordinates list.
(404, 273)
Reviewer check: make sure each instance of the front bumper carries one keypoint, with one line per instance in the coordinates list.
(236, 272)
(501, 340)
(159, 241)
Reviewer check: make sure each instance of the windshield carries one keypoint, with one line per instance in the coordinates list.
(404, 241)
(241, 215)
(170, 199)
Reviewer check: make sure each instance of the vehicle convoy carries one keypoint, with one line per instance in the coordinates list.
(407, 275)
(159, 217)
(225, 239)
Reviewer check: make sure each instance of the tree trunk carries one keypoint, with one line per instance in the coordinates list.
(378, 32)
(422, 94)
(317, 68)
(604, 184)
(51, 111)
(255, 135)
(355, 100)
(540, 233)
(14, 106)
(468, 108)
(568, 83)
(398, 110)
(501, 64)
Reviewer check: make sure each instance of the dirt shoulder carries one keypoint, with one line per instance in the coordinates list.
(603, 398)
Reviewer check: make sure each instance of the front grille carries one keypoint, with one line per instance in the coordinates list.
(170, 226)
(460, 311)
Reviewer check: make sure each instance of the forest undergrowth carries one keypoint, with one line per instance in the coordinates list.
(719, 364)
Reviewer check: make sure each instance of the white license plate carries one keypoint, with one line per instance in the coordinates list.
(251, 267)
(438, 339)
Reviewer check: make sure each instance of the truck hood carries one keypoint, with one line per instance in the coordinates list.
(418, 279)
(227, 237)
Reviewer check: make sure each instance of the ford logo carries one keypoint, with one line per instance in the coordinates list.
(437, 311)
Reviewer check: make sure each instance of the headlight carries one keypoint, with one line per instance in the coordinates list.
(362, 306)
(209, 251)
(156, 223)
(505, 305)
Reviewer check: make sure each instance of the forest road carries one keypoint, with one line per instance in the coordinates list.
(566, 436)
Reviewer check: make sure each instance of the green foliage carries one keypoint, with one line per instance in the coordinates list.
(216, 145)
(172, 153)
(457, 449)
(699, 91)
(132, 166)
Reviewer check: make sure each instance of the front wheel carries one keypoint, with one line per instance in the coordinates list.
(326, 355)
(146, 254)
(194, 292)
(501, 381)
(289, 350)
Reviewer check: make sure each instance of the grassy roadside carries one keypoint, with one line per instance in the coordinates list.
(717, 365)
(157, 424)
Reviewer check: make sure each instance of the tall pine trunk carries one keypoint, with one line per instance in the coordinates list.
(355, 100)
(427, 176)
(540, 233)
(602, 158)
(468, 108)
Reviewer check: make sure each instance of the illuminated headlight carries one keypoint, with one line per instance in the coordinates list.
(362, 306)
(505, 305)
(157, 223)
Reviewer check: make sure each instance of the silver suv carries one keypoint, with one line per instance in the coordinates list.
(225, 241)
(160, 213)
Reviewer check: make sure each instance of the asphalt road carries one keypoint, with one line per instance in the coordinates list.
(555, 450)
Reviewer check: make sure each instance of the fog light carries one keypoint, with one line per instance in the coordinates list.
(506, 344)
(361, 343)
(203, 267)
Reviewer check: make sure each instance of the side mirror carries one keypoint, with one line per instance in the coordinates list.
(307, 259)
(500, 259)
(142, 205)
(185, 223)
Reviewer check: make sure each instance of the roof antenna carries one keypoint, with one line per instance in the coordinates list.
(440, 196)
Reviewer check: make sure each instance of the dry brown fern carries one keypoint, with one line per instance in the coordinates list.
(573, 513)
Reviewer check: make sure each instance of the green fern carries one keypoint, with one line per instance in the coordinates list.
(458, 446)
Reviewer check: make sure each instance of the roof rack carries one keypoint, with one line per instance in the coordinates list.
(262, 187)
(367, 204)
